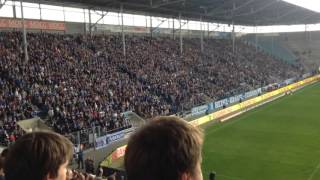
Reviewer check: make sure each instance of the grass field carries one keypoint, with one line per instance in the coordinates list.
(278, 141)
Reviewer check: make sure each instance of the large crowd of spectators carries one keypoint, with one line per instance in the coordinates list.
(79, 81)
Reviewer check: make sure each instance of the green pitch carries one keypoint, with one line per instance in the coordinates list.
(278, 141)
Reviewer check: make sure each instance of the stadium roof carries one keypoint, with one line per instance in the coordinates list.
(242, 12)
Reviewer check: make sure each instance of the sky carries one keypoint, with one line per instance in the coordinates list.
(313, 5)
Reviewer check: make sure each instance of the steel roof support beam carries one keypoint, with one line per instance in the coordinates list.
(90, 30)
(173, 30)
(168, 10)
(150, 16)
(102, 16)
(213, 12)
(25, 43)
(64, 14)
(201, 35)
(220, 9)
(233, 33)
(214, 29)
(84, 21)
(2, 3)
(257, 10)
(166, 3)
(14, 10)
(122, 32)
(233, 38)
(308, 17)
(40, 10)
(208, 29)
(256, 37)
(205, 9)
(275, 20)
(151, 26)
(157, 27)
(182, 24)
(214, 8)
(181, 40)
(288, 13)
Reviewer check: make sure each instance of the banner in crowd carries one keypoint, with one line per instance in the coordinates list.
(114, 137)
(200, 110)
(103, 141)
(237, 98)
(232, 109)
(32, 24)
(306, 75)
(290, 81)
(118, 153)
(253, 93)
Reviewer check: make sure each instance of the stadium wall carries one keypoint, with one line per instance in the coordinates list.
(229, 111)
(75, 28)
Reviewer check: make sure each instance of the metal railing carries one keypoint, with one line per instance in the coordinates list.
(87, 137)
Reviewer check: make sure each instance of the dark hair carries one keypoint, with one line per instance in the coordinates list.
(4, 153)
(3, 156)
(164, 149)
(35, 155)
(2, 161)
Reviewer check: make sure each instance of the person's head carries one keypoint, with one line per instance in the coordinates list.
(2, 161)
(4, 153)
(3, 156)
(167, 148)
(38, 156)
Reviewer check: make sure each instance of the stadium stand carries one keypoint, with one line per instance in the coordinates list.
(77, 81)
(305, 46)
(272, 45)
(97, 88)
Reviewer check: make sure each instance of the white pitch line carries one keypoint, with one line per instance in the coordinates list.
(224, 125)
(314, 172)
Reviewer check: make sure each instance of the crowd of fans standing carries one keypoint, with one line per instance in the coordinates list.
(78, 81)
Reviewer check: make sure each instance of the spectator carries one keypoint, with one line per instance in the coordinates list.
(89, 165)
(80, 157)
(38, 156)
(166, 148)
(99, 172)
(2, 162)
(79, 81)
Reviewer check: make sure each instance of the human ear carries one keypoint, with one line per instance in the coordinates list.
(48, 177)
(185, 176)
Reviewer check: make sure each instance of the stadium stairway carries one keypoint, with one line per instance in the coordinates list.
(307, 51)
(135, 119)
(273, 47)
